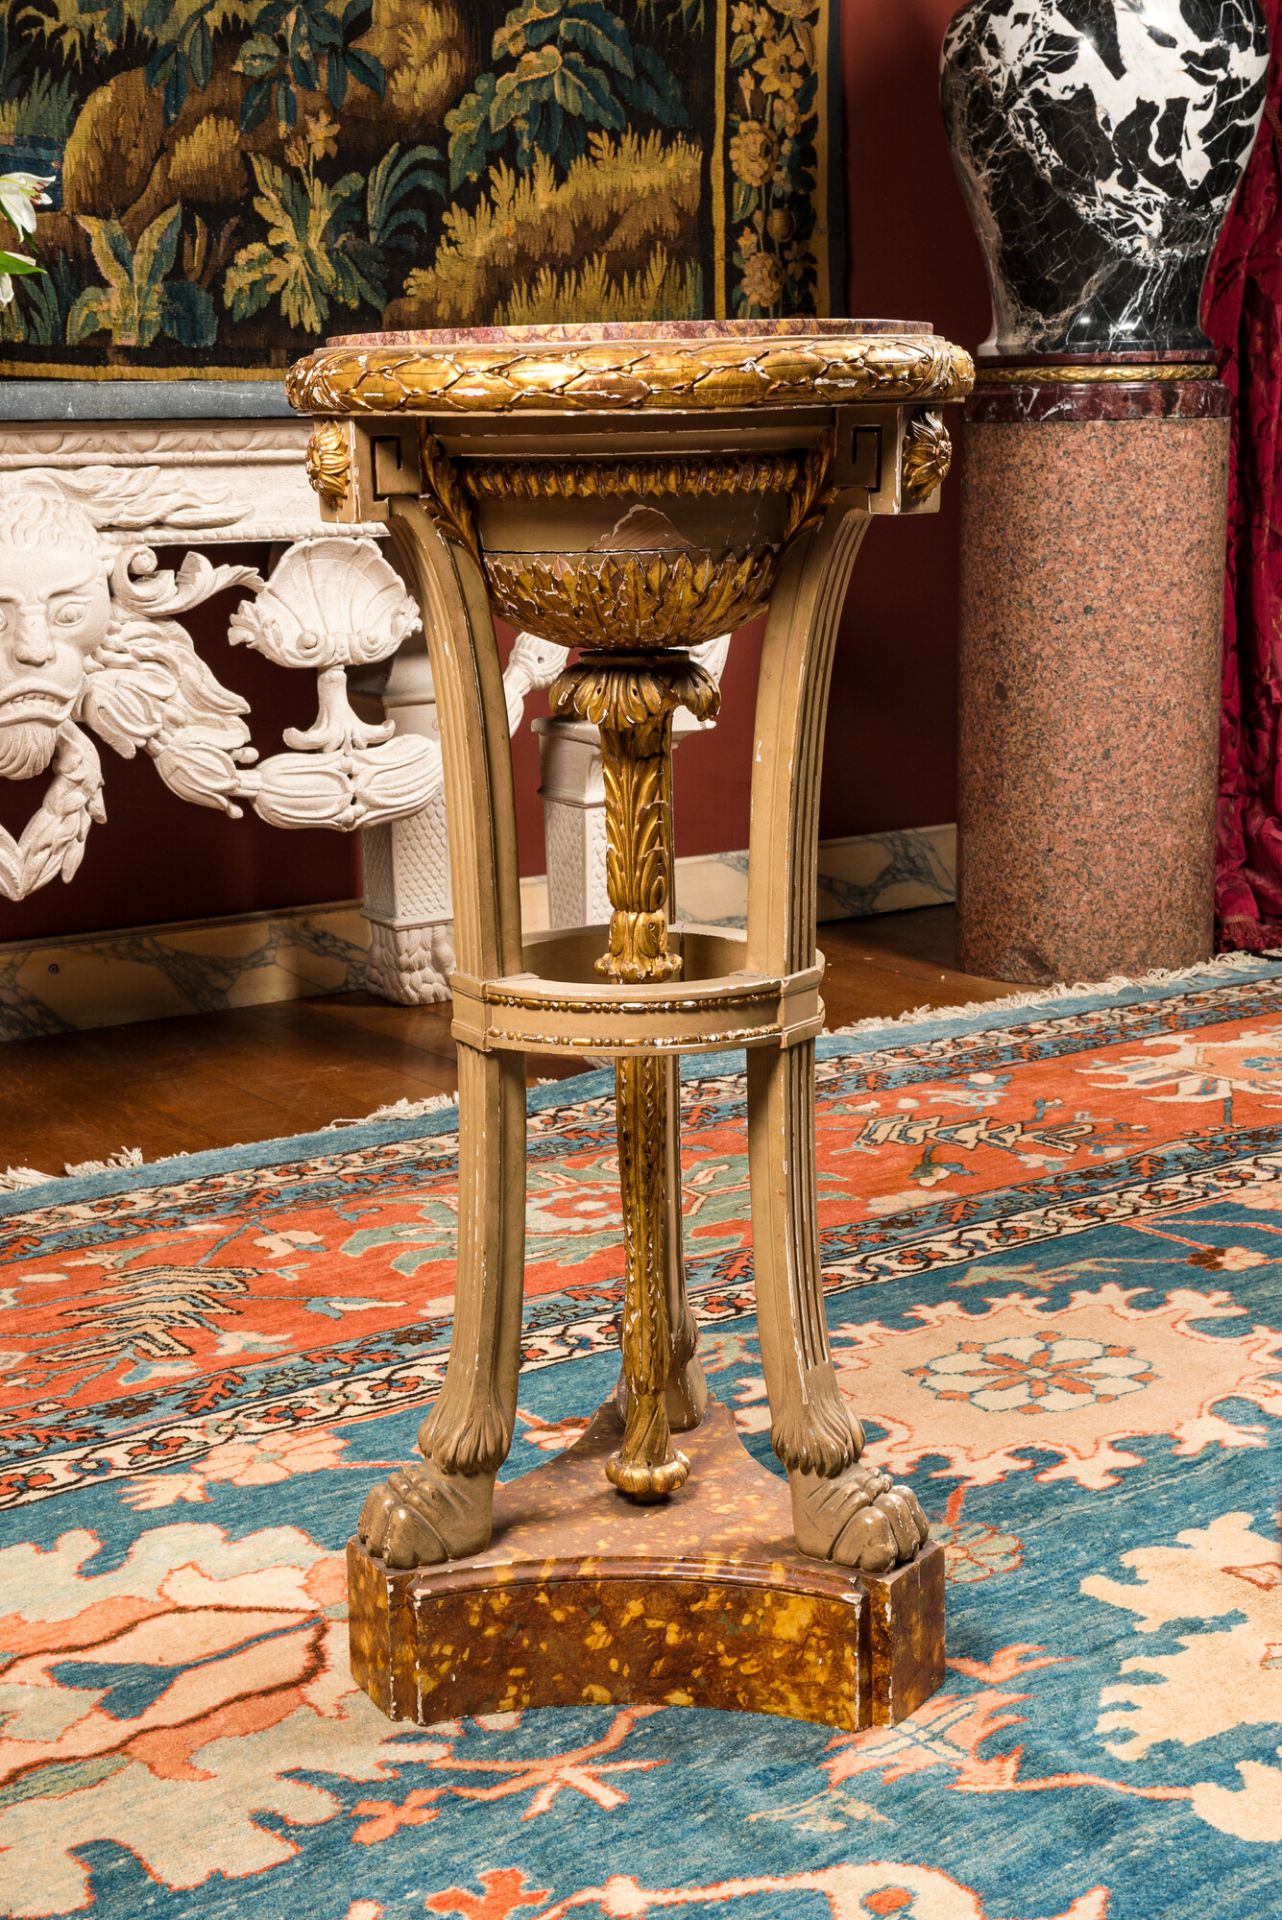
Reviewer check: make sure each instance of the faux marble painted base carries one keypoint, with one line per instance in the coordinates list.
(1092, 607)
(584, 1598)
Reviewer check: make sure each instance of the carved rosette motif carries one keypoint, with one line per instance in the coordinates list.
(328, 461)
(928, 455)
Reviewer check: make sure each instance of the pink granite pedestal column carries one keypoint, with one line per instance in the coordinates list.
(1091, 615)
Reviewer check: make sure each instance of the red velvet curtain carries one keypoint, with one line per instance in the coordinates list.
(1242, 311)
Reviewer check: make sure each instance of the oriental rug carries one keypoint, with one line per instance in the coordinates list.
(232, 182)
(1052, 1238)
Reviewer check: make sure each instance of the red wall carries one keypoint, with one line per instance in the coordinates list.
(894, 692)
(914, 256)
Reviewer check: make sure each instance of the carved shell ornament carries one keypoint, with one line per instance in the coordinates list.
(330, 601)
(333, 603)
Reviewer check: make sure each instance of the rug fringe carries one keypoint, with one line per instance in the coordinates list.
(406, 1109)
(14, 1179)
(403, 1109)
(1039, 996)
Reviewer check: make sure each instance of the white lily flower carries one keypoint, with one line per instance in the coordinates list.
(20, 195)
(11, 264)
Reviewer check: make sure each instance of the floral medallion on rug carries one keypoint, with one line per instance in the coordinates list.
(1052, 1238)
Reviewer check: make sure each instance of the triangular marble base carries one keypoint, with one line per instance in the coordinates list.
(582, 1598)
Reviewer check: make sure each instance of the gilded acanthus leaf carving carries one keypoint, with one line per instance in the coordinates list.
(443, 494)
(632, 702)
(646, 1466)
(813, 488)
(632, 600)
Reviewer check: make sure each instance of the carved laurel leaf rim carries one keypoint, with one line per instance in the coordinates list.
(630, 376)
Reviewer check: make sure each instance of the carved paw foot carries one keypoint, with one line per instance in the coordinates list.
(419, 1515)
(859, 1518)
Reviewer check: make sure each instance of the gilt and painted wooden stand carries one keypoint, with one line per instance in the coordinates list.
(631, 491)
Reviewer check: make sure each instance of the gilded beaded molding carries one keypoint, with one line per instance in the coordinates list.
(1090, 373)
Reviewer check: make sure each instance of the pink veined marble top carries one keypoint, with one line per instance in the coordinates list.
(581, 332)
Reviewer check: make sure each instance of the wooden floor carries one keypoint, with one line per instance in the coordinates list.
(211, 1080)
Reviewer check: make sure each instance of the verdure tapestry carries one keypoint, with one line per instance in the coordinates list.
(235, 179)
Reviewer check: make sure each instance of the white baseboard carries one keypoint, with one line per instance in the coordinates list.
(191, 966)
(862, 874)
(209, 966)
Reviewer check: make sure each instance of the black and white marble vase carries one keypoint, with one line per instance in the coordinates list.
(1099, 143)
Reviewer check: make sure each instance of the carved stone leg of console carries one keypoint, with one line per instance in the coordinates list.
(405, 863)
(841, 1510)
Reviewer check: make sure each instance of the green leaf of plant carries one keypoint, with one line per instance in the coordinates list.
(655, 90)
(611, 44)
(91, 314)
(257, 58)
(248, 283)
(517, 92)
(202, 56)
(17, 263)
(599, 104)
(187, 315)
(528, 25)
(365, 68)
(471, 135)
(157, 248)
(110, 248)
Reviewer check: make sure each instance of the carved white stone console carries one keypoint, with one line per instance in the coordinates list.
(93, 650)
